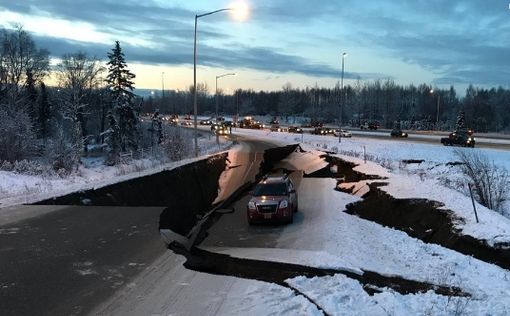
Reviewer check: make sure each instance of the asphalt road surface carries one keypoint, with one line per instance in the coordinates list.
(433, 139)
(65, 262)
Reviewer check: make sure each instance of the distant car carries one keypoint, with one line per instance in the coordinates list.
(274, 199)
(275, 128)
(249, 122)
(216, 126)
(206, 122)
(174, 119)
(220, 129)
(369, 125)
(295, 129)
(343, 133)
(397, 132)
(316, 124)
(459, 138)
(323, 131)
(186, 123)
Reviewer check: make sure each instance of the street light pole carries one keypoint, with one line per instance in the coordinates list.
(437, 107)
(162, 89)
(217, 100)
(341, 98)
(437, 111)
(195, 77)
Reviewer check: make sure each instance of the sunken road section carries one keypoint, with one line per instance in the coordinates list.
(278, 272)
(187, 191)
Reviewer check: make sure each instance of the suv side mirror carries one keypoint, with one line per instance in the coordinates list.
(292, 191)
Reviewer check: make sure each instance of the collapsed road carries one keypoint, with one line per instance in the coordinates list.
(66, 255)
(110, 256)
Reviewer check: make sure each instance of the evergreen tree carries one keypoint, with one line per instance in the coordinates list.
(120, 82)
(31, 93)
(44, 113)
(461, 120)
(112, 141)
(119, 77)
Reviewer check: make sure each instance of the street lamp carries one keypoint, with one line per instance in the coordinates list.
(218, 77)
(162, 90)
(240, 12)
(341, 97)
(437, 107)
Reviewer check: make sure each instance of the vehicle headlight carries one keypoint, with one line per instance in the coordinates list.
(284, 204)
(251, 205)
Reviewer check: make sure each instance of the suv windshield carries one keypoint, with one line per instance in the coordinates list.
(270, 189)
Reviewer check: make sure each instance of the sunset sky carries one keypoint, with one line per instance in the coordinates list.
(435, 42)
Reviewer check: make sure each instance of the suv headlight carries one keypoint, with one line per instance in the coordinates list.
(284, 204)
(251, 205)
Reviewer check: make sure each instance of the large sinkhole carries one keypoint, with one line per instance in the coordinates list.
(188, 192)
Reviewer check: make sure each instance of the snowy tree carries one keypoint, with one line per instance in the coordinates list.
(119, 77)
(21, 64)
(461, 120)
(31, 96)
(44, 115)
(176, 144)
(16, 135)
(112, 140)
(120, 82)
(156, 129)
(77, 75)
(64, 154)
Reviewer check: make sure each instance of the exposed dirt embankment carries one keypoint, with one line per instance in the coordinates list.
(425, 220)
(186, 191)
(277, 272)
(274, 155)
(195, 183)
(419, 218)
(340, 169)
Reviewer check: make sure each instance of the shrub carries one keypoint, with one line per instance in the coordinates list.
(17, 139)
(177, 145)
(64, 155)
(489, 181)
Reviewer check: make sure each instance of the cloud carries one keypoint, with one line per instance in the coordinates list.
(263, 59)
(457, 41)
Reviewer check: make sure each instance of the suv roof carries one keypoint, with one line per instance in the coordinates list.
(274, 178)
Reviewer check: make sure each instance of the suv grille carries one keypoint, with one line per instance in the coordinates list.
(267, 208)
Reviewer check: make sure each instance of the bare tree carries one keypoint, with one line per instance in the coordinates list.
(489, 180)
(77, 76)
(19, 56)
(21, 63)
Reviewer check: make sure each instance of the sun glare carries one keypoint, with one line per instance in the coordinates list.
(240, 10)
